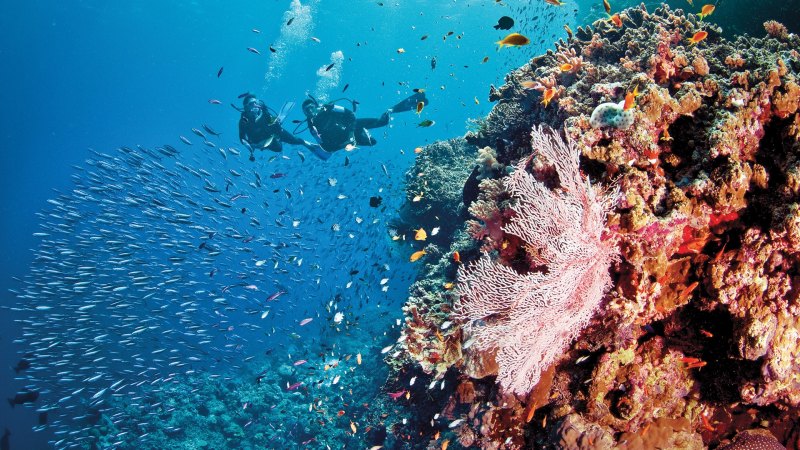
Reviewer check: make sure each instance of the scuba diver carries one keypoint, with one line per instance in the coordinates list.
(336, 127)
(260, 128)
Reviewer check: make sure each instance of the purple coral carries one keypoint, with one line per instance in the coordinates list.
(529, 319)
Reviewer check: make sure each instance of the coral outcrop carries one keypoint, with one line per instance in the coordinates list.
(699, 337)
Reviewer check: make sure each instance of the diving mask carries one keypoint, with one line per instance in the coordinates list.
(254, 110)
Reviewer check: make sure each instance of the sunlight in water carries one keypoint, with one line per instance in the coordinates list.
(329, 76)
(298, 23)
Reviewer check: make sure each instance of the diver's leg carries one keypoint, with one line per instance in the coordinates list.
(290, 138)
(410, 103)
(369, 123)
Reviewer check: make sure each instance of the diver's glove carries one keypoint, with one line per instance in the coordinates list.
(317, 150)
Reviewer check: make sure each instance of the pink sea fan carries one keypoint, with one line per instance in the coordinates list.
(528, 320)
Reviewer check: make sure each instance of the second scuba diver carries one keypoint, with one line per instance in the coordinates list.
(336, 127)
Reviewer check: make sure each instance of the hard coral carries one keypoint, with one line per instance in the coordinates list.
(487, 209)
(570, 56)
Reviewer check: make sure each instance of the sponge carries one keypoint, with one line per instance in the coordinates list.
(611, 115)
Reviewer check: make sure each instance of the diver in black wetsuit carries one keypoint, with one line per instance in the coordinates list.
(258, 129)
(336, 127)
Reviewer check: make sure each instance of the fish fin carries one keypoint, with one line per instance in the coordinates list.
(268, 142)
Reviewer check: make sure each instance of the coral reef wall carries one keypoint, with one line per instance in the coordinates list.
(698, 338)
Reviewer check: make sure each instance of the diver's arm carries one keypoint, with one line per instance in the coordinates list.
(316, 149)
(242, 133)
(289, 138)
(382, 121)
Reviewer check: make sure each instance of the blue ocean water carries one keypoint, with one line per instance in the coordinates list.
(210, 234)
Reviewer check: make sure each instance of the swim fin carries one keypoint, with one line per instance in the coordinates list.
(410, 103)
(287, 107)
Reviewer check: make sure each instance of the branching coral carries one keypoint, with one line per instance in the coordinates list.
(491, 218)
(571, 57)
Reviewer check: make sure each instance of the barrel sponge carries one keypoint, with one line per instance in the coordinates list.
(611, 115)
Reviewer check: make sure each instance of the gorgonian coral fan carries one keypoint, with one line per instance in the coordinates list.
(529, 319)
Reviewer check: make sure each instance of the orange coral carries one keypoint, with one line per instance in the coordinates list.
(776, 29)
(734, 61)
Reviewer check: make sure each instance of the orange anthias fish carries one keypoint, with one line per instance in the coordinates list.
(456, 257)
(528, 84)
(555, 2)
(616, 20)
(417, 255)
(630, 99)
(420, 235)
(548, 95)
(698, 37)
(706, 11)
(607, 6)
(531, 412)
(566, 67)
(514, 40)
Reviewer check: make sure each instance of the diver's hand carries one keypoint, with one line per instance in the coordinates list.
(317, 150)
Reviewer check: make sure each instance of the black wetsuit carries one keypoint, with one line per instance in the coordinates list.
(335, 127)
(258, 132)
